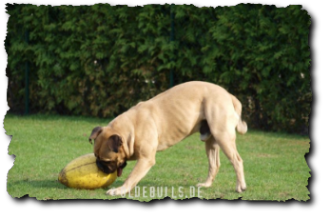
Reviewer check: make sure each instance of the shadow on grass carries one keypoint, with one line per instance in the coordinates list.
(39, 183)
(144, 190)
(56, 184)
(148, 184)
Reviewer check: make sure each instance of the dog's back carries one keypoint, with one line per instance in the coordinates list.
(194, 97)
(178, 112)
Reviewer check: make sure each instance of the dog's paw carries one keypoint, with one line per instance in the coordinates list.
(117, 191)
(240, 188)
(206, 184)
(112, 192)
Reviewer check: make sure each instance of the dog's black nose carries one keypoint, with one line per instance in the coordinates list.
(103, 167)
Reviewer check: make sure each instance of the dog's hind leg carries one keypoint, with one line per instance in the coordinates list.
(212, 151)
(226, 140)
(222, 124)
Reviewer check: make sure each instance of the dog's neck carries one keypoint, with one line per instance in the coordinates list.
(126, 132)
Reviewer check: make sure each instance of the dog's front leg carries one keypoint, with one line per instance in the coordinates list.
(139, 171)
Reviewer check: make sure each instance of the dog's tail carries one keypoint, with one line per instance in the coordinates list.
(241, 126)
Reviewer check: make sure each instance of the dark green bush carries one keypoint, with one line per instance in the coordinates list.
(99, 60)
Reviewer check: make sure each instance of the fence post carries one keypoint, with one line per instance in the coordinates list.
(172, 39)
(27, 71)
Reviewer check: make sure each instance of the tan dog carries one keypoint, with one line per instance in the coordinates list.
(165, 120)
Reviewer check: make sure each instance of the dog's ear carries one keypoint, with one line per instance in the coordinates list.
(96, 131)
(114, 143)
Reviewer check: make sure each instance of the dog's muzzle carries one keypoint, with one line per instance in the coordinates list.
(103, 167)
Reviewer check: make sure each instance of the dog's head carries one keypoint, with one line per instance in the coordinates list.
(108, 150)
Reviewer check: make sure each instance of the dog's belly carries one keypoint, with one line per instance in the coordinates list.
(163, 145)
(174, 139)
(178, 126)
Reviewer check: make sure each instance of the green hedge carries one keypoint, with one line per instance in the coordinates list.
(99, 60)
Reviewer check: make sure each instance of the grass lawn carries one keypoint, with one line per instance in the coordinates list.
(274, 164)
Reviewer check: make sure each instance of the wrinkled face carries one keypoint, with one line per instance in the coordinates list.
(108, 150)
